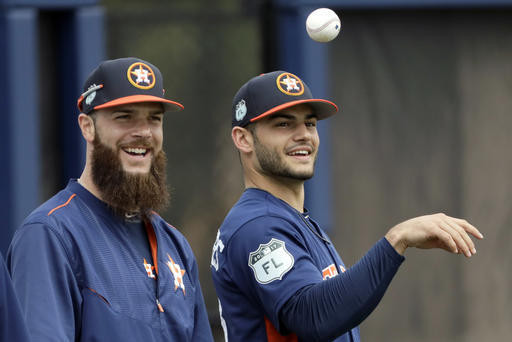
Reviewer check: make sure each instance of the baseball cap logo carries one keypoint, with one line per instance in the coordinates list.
(141, 75)
(290, 84)
(240, 110)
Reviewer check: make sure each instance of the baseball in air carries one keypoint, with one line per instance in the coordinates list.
(323, 25)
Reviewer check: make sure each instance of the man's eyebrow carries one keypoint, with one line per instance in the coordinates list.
(130, 110)
(123, 110)
(281, 116)
(157, 112)
(290, 116)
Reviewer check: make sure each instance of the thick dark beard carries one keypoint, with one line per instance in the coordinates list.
(272, 164)
(128, 193)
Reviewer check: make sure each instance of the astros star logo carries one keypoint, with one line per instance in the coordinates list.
(141, 75)
(177, 273)
(149, 269)
(290, 84)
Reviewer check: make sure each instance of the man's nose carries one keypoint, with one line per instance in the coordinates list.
(142, 130)
(302, 132)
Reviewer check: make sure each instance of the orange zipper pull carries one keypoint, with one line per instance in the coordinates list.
(160, 307)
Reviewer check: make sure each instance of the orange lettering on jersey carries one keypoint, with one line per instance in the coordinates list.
(329, 272)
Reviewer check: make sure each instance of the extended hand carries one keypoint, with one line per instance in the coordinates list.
(434, 231)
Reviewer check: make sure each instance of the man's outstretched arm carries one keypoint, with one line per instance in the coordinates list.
(325, 310)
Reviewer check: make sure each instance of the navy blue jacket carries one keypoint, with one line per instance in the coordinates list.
(12, 323)
(84, 274)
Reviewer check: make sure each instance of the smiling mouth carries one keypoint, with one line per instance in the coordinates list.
(136, 151)
(300, 153)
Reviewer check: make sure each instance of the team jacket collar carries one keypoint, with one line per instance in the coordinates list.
(276, 200)
(98, 206)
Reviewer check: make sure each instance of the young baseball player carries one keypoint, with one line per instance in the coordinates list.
(96, 262)
(277, 274)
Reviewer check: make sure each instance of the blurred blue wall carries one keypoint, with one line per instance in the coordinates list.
(79, 46)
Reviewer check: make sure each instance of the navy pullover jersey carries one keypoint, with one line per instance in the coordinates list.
(84, 274)
(266, 252)
(12, 323)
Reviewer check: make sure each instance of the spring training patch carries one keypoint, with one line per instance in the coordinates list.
(270, 261)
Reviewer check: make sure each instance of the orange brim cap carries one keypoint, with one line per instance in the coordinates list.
(322, 108)
(169, 105)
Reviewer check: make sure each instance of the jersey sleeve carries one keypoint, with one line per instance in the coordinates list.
(12, 322)
(45, 284)
(332, 307)
(269, 261)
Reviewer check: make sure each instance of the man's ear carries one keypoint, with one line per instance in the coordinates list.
(243, 139)
(87, 127)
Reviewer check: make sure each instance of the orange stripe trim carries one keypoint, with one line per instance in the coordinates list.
(294, 103)
(274, 336)
(152, 244)
(62, 205)
(96, 293)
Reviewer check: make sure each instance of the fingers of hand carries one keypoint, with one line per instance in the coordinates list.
(468, 227)
(463, 232)
(447, 241)
(459, 235)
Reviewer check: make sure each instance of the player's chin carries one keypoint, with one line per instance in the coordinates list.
(304, 168)
(303, 174)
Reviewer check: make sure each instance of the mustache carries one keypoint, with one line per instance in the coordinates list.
(139, 142)
(301, 145)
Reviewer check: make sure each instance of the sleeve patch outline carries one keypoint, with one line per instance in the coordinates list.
(271, 261)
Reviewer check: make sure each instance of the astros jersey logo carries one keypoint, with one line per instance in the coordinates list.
(141, 75)
(290, 84)
(177, 273)
(149, 269)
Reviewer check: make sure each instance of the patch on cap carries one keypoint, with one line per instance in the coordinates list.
(91, 93)
(290, 84)
(141, 76)
(240, 110)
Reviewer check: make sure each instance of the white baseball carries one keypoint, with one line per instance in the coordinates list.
(323, 25)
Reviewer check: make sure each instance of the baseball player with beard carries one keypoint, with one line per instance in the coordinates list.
(277, 274)
(96, 262)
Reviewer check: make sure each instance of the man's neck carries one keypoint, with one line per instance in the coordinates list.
(289, 190)
(85, 180)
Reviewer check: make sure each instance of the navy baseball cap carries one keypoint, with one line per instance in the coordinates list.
(122, 81)
(269, 93)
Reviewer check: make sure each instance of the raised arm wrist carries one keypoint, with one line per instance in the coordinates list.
(395, 239)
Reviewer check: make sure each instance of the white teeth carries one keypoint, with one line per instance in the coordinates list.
(136, 150)
(300, 153)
